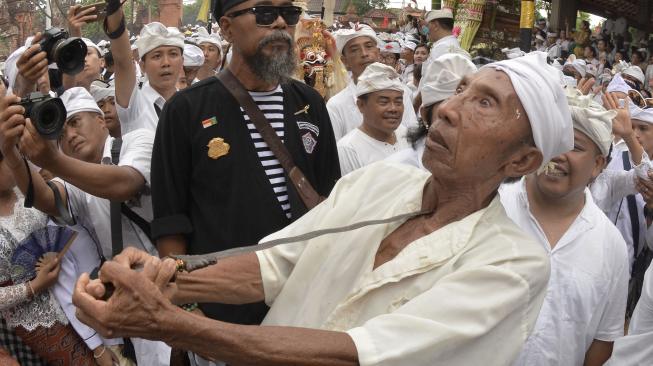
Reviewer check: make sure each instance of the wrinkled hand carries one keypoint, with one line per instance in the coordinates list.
(77, 20)
(48, 269)
(33, 63)
(12, 123)
(37, 149)
(139, 303)
(621, 124)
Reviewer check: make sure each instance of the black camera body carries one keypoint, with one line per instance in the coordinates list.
(67, 52)
(48, 114)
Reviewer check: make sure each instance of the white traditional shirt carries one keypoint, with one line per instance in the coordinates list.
(619, 213)
(635, 349)
(462, 295)
(345, 115)
(357, 149)
(93, 212)
(411, 156)
(586, 297)
(140, 113)
(443, 46)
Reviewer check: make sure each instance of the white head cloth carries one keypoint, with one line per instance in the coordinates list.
(392, 47)
(636, 72)
(618, 85)
(91, 44)
(438, 14)
(442, 77)
(77, 100)
(579, 65)
(99, 93)
(378, 76)
(203, 36)
(539, 88)
(343, 36)
(155, 35)
(408, 45)
(193, 56)
(644, 115)
(591, 118)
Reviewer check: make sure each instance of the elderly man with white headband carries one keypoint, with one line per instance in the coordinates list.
(589, 261)
(380, 100)
(436, 88)
(88, 180)
(160, 50)
(211, 45)
(358, 49)
(446, 279)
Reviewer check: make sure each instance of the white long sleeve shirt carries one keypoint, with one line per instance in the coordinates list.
(463, 295)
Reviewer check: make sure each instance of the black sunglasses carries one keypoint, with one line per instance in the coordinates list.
(267, 14)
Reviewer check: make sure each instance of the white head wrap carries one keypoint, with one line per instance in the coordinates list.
(343, 36)
(203, 36)
(155, 35)
(579, 65)
(513, 52)
(408, 45)
(591, 118)
(438, 14)
(91, 44)
(442, 76)
(99, 93)
(77, 100)
(644, 115)
(392, 47)
(539, 88)
(378, 76)
(618, 85)
(592, 70)
(636, 72)
(193, 56)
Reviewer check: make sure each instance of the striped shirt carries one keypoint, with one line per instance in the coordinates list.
(271, 104)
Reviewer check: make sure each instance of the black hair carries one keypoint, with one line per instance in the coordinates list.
(417, 73)
(594, 53)
(108, 58)
(423, 45)
(445, 23)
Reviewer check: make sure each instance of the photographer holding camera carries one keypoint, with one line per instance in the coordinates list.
(77, 18)
(87, 177)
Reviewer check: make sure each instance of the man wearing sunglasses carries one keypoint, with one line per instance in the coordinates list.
(216, 183)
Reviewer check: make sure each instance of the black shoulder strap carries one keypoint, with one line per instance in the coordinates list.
(632, 207)
(114, 207)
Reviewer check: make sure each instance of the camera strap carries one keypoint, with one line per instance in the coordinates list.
(29, 195)
(114, 207)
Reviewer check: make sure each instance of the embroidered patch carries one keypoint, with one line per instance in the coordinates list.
(309, 142)
(308, 126)
(209, 122)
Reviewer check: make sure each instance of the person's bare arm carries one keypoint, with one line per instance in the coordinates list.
(126, 182)
(139, 308)
(124, 69)
(173, 244)
(235, 280)
(598, 353)
(12, 127)
(622, 126)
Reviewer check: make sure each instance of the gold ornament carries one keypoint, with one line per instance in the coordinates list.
(217, 148)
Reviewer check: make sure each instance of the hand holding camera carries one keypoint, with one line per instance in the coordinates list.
(78, 16)
(33, 63)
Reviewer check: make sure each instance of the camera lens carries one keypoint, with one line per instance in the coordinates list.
(69, 54)
(49, 117)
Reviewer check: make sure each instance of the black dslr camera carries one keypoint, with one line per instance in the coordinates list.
(47, 114)
(67, 53)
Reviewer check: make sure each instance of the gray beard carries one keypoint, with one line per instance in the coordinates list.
(277, 67)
